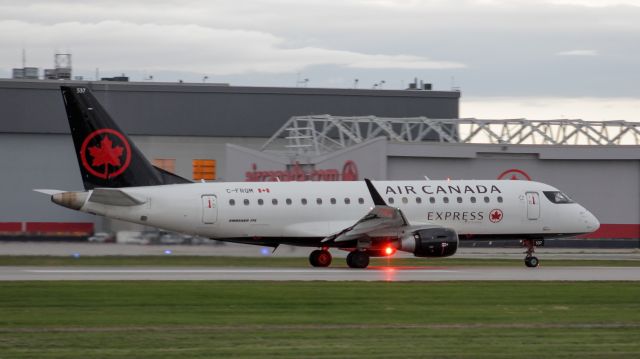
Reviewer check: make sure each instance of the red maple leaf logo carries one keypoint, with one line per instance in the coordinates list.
(495, 216)
(106, 155)
(350, 171)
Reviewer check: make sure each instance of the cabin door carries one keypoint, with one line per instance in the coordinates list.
(533, 205)
(209, 209)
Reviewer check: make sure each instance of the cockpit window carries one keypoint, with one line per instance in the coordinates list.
(557, 197)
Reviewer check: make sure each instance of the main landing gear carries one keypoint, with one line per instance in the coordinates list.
(355, 259)
(358, 259)
(530, 260)
(320, 258)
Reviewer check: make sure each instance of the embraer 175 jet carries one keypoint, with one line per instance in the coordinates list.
(366, 218)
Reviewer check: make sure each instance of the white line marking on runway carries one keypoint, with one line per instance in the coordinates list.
(196, 271)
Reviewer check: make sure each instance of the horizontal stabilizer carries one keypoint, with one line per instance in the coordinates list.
(114, 197)
(49, 192)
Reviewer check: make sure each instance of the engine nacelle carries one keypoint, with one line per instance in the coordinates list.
(431, 242)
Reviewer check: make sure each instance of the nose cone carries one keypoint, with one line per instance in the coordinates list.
(591, 222)
(594, 222)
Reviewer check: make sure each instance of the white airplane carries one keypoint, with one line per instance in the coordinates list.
(367, 218)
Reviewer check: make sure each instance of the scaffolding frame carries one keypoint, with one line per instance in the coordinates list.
(319, 134)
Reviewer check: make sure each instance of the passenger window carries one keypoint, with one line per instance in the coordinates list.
(418, 200)
(473, 200)
(319, 200)
(459, 199)
(333, 201)
(232, 202)
(390, 200)
(486, 199)
(274, 202)
(288, 201)
(499, 199)
(260, 202)
(303, 201)
(432, 200)
(445, 199)
(246, 202)
(361, 200)
(405, 200)
(347, 201)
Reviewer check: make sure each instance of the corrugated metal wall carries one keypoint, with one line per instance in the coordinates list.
(207, 110)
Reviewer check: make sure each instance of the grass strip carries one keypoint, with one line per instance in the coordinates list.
(319, 319)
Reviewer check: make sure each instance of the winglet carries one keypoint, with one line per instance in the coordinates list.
(375, 196)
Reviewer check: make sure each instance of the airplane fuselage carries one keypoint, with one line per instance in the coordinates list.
(426, 218)
(306, 212)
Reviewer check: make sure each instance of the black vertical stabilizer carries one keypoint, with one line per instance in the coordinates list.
(106, 155)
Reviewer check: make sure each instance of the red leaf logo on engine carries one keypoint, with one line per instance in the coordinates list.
(109, 151)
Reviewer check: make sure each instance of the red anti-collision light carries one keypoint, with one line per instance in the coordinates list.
(389, 251)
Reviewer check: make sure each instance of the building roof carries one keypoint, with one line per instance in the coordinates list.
(218, 110)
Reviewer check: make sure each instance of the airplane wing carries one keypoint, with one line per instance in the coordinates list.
(381, 220)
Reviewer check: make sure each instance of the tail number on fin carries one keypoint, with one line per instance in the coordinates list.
(109, 151)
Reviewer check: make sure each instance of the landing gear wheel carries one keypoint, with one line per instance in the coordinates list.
(531, 262)
(320, 258)
(358, 259)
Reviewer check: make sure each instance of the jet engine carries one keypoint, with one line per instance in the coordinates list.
(431, 242)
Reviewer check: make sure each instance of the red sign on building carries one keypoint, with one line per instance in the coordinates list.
(349, 172)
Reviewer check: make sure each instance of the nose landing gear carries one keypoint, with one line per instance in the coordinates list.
(530, 260)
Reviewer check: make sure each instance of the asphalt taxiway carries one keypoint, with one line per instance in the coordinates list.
(391, 274)
(243, 250)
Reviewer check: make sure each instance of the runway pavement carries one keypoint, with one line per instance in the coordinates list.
(323, 274)
(243, 250)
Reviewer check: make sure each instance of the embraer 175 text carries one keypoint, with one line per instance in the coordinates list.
(366, 218)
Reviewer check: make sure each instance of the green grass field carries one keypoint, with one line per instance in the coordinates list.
(319, 319)
(208, 261)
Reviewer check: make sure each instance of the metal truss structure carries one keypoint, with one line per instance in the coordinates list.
(315, 135)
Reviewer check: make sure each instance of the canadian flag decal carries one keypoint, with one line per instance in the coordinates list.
(263, 190)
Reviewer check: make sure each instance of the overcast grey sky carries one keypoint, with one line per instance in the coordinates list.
(520, 58)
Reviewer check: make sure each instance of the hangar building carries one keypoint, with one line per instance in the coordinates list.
(179, 126)
(230, 133)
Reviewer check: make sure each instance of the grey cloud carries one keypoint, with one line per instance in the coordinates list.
(493, 48)
(578, 53)
(113, 44)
